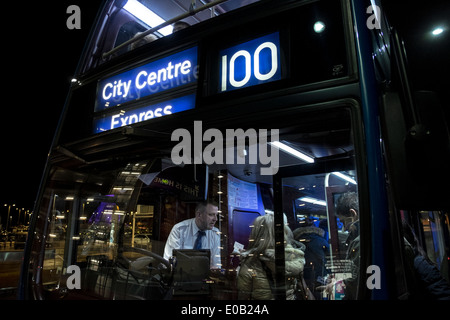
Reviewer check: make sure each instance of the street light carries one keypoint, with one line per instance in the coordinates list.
(9, 211)
(18, 218)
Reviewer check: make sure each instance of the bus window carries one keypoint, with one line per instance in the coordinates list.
(130, 30)
(131, 224)
(81, 220)
(324, 215)
(433, 225)
(121, 21)
(426, 254)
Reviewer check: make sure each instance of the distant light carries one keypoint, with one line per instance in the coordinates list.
(437, 31)
(319, 27)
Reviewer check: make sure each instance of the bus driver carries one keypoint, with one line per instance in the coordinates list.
(197, 233)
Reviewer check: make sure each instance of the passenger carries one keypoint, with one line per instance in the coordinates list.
(347, 209)
(323, 224)
(147, 39)
(256, 278)
(316, 249)
(426, 281)
(177, 26)
(197, 233)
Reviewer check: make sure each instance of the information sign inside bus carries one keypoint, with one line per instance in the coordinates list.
(250, 63)
(125, 118)
(170, 72)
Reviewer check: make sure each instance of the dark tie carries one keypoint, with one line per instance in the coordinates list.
(198, 241)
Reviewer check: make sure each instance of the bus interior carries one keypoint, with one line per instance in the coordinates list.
(112, 218)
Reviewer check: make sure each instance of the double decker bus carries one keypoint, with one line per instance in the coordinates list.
(261, 108)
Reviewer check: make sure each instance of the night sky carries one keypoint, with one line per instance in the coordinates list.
(41, 57)
(42, 54)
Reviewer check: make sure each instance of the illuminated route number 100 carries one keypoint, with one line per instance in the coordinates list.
(250, 76)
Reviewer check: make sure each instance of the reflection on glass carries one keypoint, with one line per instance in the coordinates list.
(136, 230)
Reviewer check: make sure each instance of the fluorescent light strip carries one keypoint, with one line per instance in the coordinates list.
(313, 201)
(344, 177)
(292, 151)
(144, 14)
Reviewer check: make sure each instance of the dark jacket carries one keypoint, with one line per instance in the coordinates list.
(432, 285)
(424, 279)
(316, 249)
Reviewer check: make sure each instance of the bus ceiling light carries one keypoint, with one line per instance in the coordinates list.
(146, 15)
(319, 27)
(437, 31)
(344, 177)
(292, 151)
(313, 201)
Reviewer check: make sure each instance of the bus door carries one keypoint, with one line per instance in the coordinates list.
(312, 201)
(319, 200)
(434, 234)
(431, 229)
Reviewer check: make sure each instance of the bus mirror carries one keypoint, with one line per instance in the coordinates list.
(427, 144)
(425, 149)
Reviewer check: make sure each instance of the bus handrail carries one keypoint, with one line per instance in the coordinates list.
(191, 12)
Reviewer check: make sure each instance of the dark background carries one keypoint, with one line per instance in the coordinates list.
(42, 55)
(41, 59)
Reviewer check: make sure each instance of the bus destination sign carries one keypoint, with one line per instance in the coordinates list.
(170, 72)
(250, 63)
(122, 118)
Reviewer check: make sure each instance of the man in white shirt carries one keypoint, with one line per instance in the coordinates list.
(197, 233)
